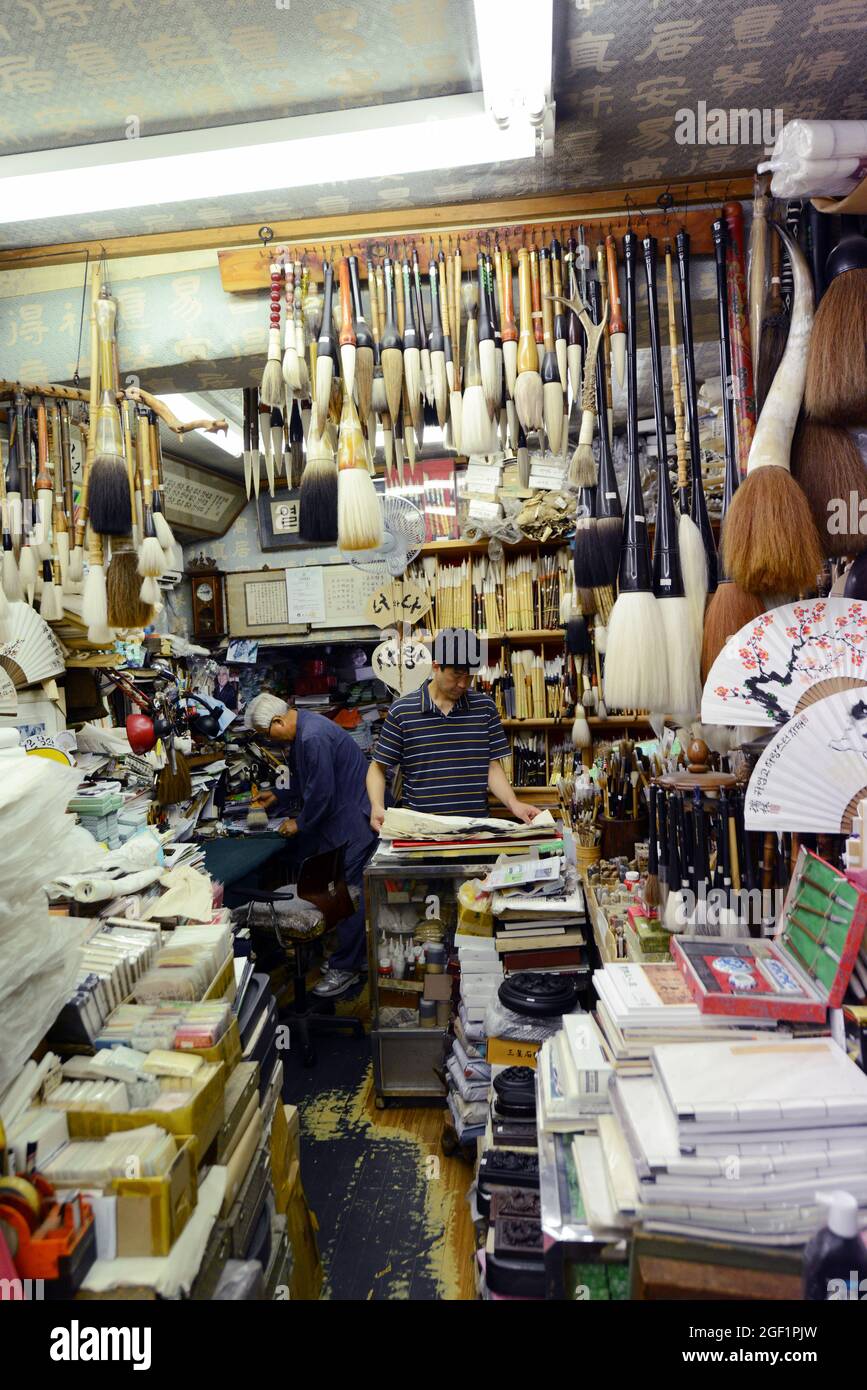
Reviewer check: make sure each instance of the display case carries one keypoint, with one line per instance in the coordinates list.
(405, 900)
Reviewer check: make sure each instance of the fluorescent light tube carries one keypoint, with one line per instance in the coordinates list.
(296, 152)
(516, 54)
(230, 441)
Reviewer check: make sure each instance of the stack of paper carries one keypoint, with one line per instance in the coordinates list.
(641, 1005)
(416, 837)
(538, 910)
(574, 1077)
(734, 1140)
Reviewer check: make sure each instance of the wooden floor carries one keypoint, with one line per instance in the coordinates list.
(392, 1209)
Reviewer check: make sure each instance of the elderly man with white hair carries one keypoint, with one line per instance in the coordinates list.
(327, 770)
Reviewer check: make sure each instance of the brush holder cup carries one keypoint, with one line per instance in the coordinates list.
(585, 855)
(619, 837)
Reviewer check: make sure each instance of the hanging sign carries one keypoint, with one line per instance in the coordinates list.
(402, 666)
(390, 604)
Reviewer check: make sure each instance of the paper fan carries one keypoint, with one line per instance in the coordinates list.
(813, 773)
(8, 696)
(32, 652)
(786, 660)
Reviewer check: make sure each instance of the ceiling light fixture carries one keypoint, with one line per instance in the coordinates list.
(262, 156)
(516, 60)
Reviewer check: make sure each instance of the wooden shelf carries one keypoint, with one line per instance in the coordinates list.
(612, 722)
(540, 634)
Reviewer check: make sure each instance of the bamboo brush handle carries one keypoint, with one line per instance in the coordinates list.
(43, 477)
(556, 276)
(677, 394)
(90, 450)
(95, 551)
(106, 311)
(536, 295)
(375, 321)
(615, 314)
(775, 294)
(380, 297)
(155, 451)
(143, 449)
(456, 323)
(347, 331)
(54, 450)
(547, 306)
(445, 297)
(527, 357)
(498, 271)
(399, 302)
(509, 327)
(129, 452)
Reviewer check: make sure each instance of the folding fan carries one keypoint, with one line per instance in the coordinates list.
(8, 697)
(786, 660)
(813, 773)
(32, 652)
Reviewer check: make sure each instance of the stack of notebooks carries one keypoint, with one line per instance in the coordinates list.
(467, 1069)
(730, 1141)
(642, 1005)
(418, 838)
(538, 910)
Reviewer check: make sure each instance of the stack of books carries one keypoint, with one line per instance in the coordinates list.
(639, 1006)
(467, 1069)
(732, 1141)
(538, 911)
(413, 837)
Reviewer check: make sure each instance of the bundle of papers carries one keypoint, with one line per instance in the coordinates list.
(732, 1141)
(418, 837)
(641, 1005)
(538, 910)
(574, 1077)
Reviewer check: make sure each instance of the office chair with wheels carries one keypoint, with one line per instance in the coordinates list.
(299, 916)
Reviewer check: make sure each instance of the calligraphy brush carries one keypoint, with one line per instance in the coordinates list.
(573, 325)
(151, 559)
(359, 516)
(27, 555)
(437, 344)
(390, 347)
(296, 447)
(636, 662)
(484, 334)
(164, 533)
(291, 369)
(776, 313)
(609, 512)
(363, 345)
(348, 342)
(559, 315)
(275, 428)
(324, 348)
(689, 538)
(663, 855)
(529, 395)
(60, 523)
(44, 485)
(758, 268)
(108, 493)
(318, 499)
(697, 501)
(247, 452)
(376, 291)
(552, 388)
(770, 543)
(271, 390)
(453, 274)
(475, 419)
(583, 471)
(411, 351)
(14, 511)
(652, 891)
(495, 314)
(616, 326)
(423, 341)
(509, 329)
(678, 880)
(267, 445)
(730, 607)
(827, 465)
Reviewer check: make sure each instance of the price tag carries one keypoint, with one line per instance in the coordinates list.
(393, 603)
(402, 666)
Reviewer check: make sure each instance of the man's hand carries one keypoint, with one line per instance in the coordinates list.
(524, 812)
(377, 816)
(288, 828)
(266, 800)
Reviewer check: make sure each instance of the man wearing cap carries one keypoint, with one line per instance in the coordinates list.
(327, 771)
(447, 740)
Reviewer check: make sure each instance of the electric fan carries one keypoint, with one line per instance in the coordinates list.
(403, 534)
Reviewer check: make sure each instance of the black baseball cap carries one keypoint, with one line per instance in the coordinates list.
(457, 647)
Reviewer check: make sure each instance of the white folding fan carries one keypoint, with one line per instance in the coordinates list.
(786, 660)
(8, 694)
(32, 652)
(813, 773)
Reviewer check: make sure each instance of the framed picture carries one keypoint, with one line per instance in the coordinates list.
(279, 518)
(199, 502)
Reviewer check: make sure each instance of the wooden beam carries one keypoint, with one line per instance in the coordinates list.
(565, 207)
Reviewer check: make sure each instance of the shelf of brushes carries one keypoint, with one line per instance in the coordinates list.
(612, 722)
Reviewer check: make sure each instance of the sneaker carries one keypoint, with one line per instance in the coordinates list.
(335, 982)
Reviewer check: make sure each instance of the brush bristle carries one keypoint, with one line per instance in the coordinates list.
(4, 616)
(108, 497)
(835, 390)
(609, 532)
(359, 516)
(172, 787)
(585, 553)
(456, 412)
(61, 541)
(317, 520)
(510, 366)
(27, 568)
(529, 400)
(775, 335)
(490, 382)
(94, 602)
(291, 368)
(553, 407)
(581, 735)
(682, 653)
(364, 380)
(76, 565)
(440, 387)
(100, 635)
(11, 578)
(273, 386)
(150, 595)
(475, 422)
(392, 371)
(378, 398)
(151, 560)
(652, 891)
(828, 466)
(324, 379)
(769, 541)
(729, 609)
(412, 373)
(636, 661)
(125, 608)
(583, 470)
(693, 564)
(165, 534)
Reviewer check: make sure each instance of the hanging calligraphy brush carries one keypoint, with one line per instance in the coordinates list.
(536, 294)
(636, 663)
(27, 555)
(108, 494)
(475, 419)
(271, 391)
(249, 407)
(163, 530)
(390, 349)
(697, 502)
(602, 277)
(60, 522)
(609, 512)
(652, 894)
(770, 542)
(291, 371)
(265, 436)
(827, 465)
(439, 379)
(318, 500)
(255, 462)
(616, 326)
(302, 278)
(681, 636)
(689, 538)
(275, 426)
(76, 558)
(65, 550)
(509, 327)
(494, 270)
(151, 559)
(446, 316)
(126, 607)
(411, 353)
(347, 329)
(14, 506)
(529, 395)
(742, 361)
(573, 327)
(376, 291)
(324, 348)
(423, 341)
(837, 364)
(773, 329)
(359, 515)
(296, 447)
(559, 314)
(551, 385)
(582, 468)
(363, 345)
(44, 486)
(486, 346)
(730, 607)
(758, 263)
(94, 598)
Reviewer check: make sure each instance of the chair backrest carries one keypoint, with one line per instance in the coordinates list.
(321, 882)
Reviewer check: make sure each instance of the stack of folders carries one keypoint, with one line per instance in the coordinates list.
(415, 837)
(641, 1005)
(467, 1069)
(538, 910)
(730, 1141)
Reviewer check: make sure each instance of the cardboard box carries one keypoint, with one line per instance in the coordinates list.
(152, 1212)
(302, 1226)
(285, 1144)
(437, 987)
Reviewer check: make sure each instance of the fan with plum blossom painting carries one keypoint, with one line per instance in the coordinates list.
(787, 659)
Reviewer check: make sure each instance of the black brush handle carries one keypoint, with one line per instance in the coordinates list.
(574, 336)
(559, 315)
(437, 340)
(363, 335)
(325, 344)
(486, 333)
(662, 827)
(419, 301)
(652, 846)
(410, 326)
(698, 503)
(667, 576)
(493, 310)
(390, 335)
(732, 479)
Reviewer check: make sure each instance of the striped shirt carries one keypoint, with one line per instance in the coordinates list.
(444, 757)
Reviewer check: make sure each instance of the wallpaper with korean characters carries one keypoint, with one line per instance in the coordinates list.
(79, 71)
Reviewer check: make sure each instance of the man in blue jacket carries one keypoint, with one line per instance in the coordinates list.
(327, 771)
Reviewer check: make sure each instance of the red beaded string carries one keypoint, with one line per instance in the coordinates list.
(276, 275)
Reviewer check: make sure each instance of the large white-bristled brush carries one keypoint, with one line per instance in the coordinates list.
(475, 420)
(551, 385)
(359, 515)
(509, 330)
(529, 396)
(94, 600)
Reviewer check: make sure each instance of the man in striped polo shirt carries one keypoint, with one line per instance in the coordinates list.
(447, 741)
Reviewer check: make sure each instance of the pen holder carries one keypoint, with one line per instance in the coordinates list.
(619, 837)
(585, 855)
